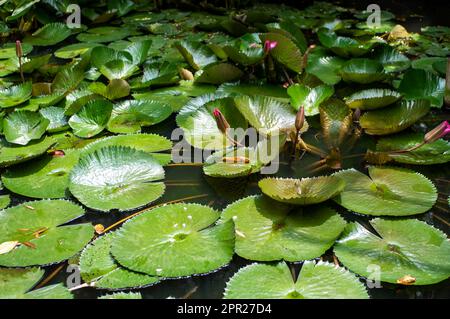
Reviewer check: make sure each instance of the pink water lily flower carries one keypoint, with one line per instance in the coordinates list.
(221, 121)
(438, 132)
(269, 46)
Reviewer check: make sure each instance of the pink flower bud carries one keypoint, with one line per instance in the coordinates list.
(269, 46)
(222, 123)
(438, 132)
(19, 52)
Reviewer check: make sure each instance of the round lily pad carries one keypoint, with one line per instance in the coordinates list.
(8, 50)
(47, 177)
(91, 119)
(42, 241)
(57, 118)
(286, 51)
(304, 191)
(73, 50)
(386, 191)
(11, 154)
(49, 34)
(218, 73)
(400, 248)
(17, 283)
(372, 99)
(196, 54)
(116, 177)
(310, 98)
(320, 280)
(98, 268)
(15, 95)
(362, 71)
(268, 230)
(174, 240)
(20, 127)
(104, 34)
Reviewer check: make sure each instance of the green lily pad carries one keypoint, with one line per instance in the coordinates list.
(91, 119)
(47, 177)
(437, 152)
(420, 84)
(74, 50)
(157, 74)
(391, 59)
(362, 71)
(343, 46)
(15, 95)
(401, 248)
(199, 125)
(116, 177)
(17, 283)
(267, 115)
(104, 34)
(11, 154)
(8, 50)
(246, 50)
(129, 116)
(286, 52)
(54, 243)
(395, 118)
(336, 121)
(267, 230)
(196, 54)
(5, 200)
(156, 241)
(20, 127)
(57, 118)
(122, 295)
(118, 69)
(139, 51)
(305, 191)
(386, 191)
(310, 98)
(101, 55)
(325, 67)
(116, 89)
(218, 73)
(320, 280)
(372, 99)
(98, 268)
(49, 34)
(239, 88)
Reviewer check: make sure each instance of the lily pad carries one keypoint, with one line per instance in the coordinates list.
(344, 46)
(362, 71)
(11, 154)
(8, 50)
(155, 241)
(304, 191)
(39, 223)
(122, 295)
(320, 280)
(74, 50)
(391, 59)
(116, 177)
(196, 54)
(420, 84)
(372, 99)
(49, 34)
(104, 34)
(57, 118)
(129, 116)
(20, 127)
(247, 50)
(98, 268)
(17, 283)
(118, 69)
(394, 119)
(91, 119)
(157, 74)
(386, 191)
(267, 230)
(286, 52)
(219, 73)
(310, 98)
(400, 248)
(336, 121)
(15, 95)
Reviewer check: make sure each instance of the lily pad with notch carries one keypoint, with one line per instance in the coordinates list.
(370, 99)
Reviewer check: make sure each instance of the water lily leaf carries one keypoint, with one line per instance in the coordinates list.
(5, 200)
(98, 267)
(75, 100)
(199, 125)
(150, 143)
(49, 34)
(343, 46)
(267, 115)
(74, 50)
(15, 95)
(129, 116)
(57, 118)
(104, 34)
(319, 280)
(20, 127)
(246, 50)
(39, 224)
(68, 78)
(303, 191)
(11, 154)
(116, 177)
(157, 74)
(325, 67)
(401, 248)
(218, 73)
(267, 230)
(122, 295)
(17, 283)
(196, 54)
(21, 9)
(291, 30)
(372, 99)
(310, 98)
(362, 71)
(386, 191)
(395, 118)
(91, 119)
(101, 55)
(47, 177)
(420, 84)
(9, 66)
(426, 63)
(336, 121)
(437, 152)
(155, 241)
(116, 89)
(391, 59)
(286, 52)
(118, 69)
(8, 50)
(239, 88)
(139, 51)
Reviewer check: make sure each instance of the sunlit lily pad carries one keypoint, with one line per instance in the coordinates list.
(437, 152)
(11, 154)
(362, 71)
(310, 98)
(286, 52)
(15, 95)
(391, 59)
(8, 50)
(98, 268)
(116, 177)
(157, 74)
(49, 34)
(320, 280)
(91, 119)
(39, 223)
(372, 99)
(304, 191)
(420, 84)
(21, 127)
(47, 177)
(268, 230)
(58, 120)
(156, 241)
(386, 191)
(129, 116)
(118, 69)
(218, 73)
(196, 54)
(343, 46)
(104, 34)
(324, 66)
(73, 50)
(17, 283)
(395, 118)
(400, 248)
(246, 50)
